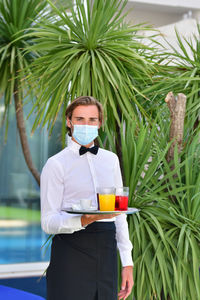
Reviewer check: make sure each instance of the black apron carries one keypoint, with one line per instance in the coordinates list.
(83, 265)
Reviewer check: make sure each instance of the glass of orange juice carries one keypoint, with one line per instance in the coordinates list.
(106, 198)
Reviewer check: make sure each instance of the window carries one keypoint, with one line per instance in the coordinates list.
(21, 236)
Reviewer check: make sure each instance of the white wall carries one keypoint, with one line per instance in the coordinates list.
(162, 14)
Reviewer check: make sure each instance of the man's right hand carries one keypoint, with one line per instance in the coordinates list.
(88, 219)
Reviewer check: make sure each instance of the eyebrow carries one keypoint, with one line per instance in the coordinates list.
(91, 118)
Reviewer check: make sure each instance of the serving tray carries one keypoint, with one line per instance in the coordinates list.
(130, 210)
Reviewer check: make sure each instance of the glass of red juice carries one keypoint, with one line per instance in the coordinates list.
(121, 200)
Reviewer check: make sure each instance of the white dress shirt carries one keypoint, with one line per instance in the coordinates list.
(68, 177)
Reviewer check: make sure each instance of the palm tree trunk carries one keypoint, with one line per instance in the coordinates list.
(177, 115)
(23, 136)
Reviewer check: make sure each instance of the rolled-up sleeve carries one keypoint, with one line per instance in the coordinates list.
(53, 220)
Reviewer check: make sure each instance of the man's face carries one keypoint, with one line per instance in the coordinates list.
(84, 115)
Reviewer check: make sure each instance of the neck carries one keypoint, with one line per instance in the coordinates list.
(87, 146)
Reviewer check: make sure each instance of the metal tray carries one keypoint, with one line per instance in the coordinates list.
(130, 210)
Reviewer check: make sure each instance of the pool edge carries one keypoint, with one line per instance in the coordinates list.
(22, 269)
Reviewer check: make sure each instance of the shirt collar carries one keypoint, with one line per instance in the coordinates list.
(75, 146)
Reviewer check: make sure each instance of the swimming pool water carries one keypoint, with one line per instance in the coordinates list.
(23, 244)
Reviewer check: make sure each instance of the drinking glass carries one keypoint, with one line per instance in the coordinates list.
(121, 202)
(106, 198)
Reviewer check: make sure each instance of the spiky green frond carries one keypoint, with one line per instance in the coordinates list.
(17, 17)
(90, 51)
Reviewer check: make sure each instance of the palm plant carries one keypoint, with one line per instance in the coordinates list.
(187, 63)
(89, 51)
(178, 71)
(166, 232)
(17, 17)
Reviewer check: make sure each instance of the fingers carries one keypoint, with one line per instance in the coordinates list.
(88, 219)
(108, 216)
(127, 282)
(124, 293)
(104, 216)
(124, 283)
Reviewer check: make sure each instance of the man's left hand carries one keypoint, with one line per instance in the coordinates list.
(127, 282)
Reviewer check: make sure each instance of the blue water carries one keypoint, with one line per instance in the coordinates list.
(23, 244)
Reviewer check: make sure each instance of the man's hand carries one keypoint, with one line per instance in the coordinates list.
(88, 219)
(127, 282)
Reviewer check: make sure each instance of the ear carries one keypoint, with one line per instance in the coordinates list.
(99, 126)
(69, 123)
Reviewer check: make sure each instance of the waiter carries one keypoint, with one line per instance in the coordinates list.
(83, 263)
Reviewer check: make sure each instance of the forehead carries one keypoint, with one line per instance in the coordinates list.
(90, 111)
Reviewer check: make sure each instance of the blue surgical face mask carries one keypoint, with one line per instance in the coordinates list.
(85, 134)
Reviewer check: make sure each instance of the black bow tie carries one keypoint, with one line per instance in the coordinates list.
(93, 150)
